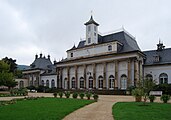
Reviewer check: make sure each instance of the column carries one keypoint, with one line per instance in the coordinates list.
(136, 72)
(85, 78)
(104, 75)
(60, 80)
(68, 77)
(116, 75)
(94, 75)
(76, 77)
(129, 73)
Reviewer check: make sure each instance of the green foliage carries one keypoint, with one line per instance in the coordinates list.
(11, 63)
(81, 95)
(60, 94)
(165, 98)
(151, 98)
(36, 109)
(75, 95)
(18, 74)
(88, 95)
(165, 88)
(55, 94)
(19, 92)
(95, 96)
(136, 111)
(137, 92)
(67, 94)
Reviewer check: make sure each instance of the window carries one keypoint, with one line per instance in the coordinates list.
(73, 83)
(163, 78)
(42, 83)
(81, 82)
(21, 84)
(100, 82)
(89, 40)
(94, 34)
(53, 83)
(47, 83)
(95, 28)
(90, 82)
(65, 83)
(149, 77)
(111, 81)
(109, 48)
(123, 82)
(89, 28)
(71, 54)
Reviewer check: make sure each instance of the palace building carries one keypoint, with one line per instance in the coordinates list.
(111, 62)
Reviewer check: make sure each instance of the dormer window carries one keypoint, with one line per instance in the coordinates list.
(89, 40)
(109, 48)
(95, 28)
(156, 58)
(71, 54)
(94, 34)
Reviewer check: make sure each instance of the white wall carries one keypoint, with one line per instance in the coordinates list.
(50, 78)
(155, 71)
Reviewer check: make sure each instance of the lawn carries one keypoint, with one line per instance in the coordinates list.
(41, 109)
(135, 111)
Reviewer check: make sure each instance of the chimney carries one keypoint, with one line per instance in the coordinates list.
(36, 56)
(40, 55)
(49, 57)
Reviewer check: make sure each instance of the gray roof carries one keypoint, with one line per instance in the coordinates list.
(164, 55)
(91, 21)
(129, 43)
(41, 63)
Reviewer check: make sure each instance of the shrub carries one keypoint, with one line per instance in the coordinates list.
(138, 93)
(55, 94)
(75, 95)
(88, 95)
(81, 95)
(67, 94)
(95, 96)
(165, 88)
(152, 98)
(60, 94)
(165, 98)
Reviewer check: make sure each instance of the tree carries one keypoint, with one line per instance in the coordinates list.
(11, 63)
(6, 77)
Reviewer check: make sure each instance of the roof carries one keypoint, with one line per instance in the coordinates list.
(164, 56)
(91, 21)
(129, 43)
(41, 63)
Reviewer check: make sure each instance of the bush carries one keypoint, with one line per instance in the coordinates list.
(67, 94)
(165, 98)
(75, 95)
(81, 95)
(138, 93)
(152, 98)
(165, 88)
(95, 96)
(55, 94)
(88, 95)
(60, 94)
(31, 88)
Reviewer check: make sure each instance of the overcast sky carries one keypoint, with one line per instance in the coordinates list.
(29, 27)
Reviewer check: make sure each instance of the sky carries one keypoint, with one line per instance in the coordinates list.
(30, 27)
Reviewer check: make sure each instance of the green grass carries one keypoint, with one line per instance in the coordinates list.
(41, 109)
(136, 111)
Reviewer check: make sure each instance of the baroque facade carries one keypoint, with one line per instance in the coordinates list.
(111, 62)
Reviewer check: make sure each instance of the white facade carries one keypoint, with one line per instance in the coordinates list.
(49, 81)
(157, 70)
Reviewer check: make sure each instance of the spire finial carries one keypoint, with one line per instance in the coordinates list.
(91, 12)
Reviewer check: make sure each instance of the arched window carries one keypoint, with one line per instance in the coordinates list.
(109, 48)
(42, 83)
(73, 83)
(47, 83)
(21, 84)
(81, 82)
(123, 82)
(163, 78)
(149, 77)
(100, 79)
(52, 83)
(65, 83)
(111, 81)
(90, 82)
